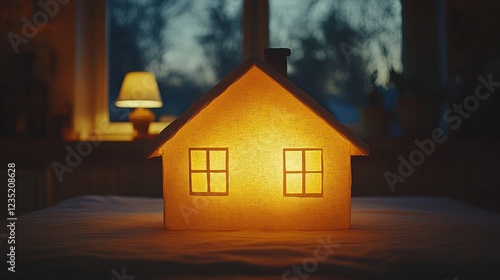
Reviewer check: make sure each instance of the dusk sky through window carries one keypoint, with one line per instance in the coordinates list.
(182, 42)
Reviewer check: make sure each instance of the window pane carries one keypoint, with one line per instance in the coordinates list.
(313, 160)
(293, 160)
(189, 45)
(337, 46)
(218, 182)
(218, 160)
(313, 183)
(293, 184)
(198, 160)
(199, 182)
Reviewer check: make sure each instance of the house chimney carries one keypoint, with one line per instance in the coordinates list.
(276, 58)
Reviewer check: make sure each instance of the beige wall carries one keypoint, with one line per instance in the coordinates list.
(256, 118)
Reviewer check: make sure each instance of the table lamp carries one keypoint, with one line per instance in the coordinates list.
(140, 90)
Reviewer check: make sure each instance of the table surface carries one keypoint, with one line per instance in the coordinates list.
(391, 238)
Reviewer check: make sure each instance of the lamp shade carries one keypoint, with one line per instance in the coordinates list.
(139, 90)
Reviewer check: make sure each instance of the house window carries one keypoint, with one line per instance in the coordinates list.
(208, 171)
(303, 172)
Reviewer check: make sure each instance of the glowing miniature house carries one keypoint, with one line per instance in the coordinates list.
(256, 152)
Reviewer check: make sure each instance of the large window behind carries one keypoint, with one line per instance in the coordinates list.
(338, 46)
(189, 45)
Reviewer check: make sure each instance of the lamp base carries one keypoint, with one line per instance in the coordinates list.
(140, 119)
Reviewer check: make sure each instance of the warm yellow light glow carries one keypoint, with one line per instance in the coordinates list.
(313, 183)
(208, 171)
(199, 182)
(198, 160)
(275, 177)
(313, 160)
(293, 160)
(303, 172)
(217, 160)
(254, 155)
(138, 104)
(217, 182)
(139, 90)
(293, 183)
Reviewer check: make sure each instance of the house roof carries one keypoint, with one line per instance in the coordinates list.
(153, 149)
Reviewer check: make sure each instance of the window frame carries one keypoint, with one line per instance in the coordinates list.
(303, 172)
(90, 91)
(91, 117)
(207, 171)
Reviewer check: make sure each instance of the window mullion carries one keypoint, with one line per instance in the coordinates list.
(208, 171)
(303, 171)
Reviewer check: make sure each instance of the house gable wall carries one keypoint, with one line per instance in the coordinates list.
(255, 118)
